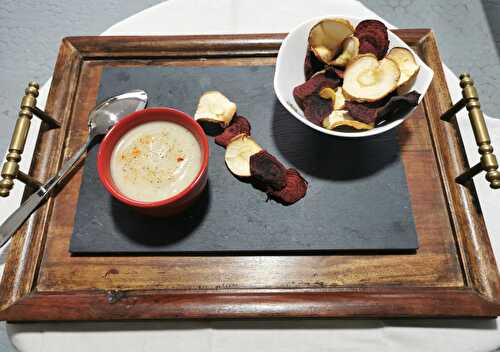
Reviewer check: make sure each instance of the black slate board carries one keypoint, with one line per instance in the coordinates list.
(357, 197)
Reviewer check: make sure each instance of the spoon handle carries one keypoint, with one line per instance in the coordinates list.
(68, 165)
(19, 216)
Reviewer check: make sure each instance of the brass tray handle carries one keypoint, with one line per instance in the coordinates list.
(10, 169)
(488, 160)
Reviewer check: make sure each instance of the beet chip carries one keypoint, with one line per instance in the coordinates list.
(373, 38)
(313, 86)
(376, 42)
(268, 171)
(370, 23)
(295, 189)
(339, 73)
(367, 47)
(312, 64)
(361, 112)
(239, 124)
(317, 108)
(388, 109)
(398, 106)
(334, 73)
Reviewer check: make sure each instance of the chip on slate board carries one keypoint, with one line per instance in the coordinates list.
(238, 153)
(239, 125)
(214, 107)
(294, 190)
(267, 170)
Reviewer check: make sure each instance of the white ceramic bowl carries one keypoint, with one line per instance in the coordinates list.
(290, 73)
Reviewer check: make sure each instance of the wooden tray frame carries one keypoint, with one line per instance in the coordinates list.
(22, 299)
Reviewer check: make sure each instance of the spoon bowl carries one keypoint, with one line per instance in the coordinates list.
(109, 112)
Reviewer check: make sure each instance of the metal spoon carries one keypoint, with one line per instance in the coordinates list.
(101, 119)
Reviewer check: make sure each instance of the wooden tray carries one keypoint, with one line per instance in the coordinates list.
(452, 274)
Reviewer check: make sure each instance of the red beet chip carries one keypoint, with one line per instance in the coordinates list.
(361, 112)
(387, 109)
(267, 170)
(312, 64)
(398, 106)
(313, 86)
(294, 190)
(370, 24)
(317, 108)
(377, 39)
(239, 124)
(386, 47)
(339, 73)
(373, 38)
(334, 73)
(366, 47)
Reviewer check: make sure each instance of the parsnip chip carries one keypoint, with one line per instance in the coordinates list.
(350, 49)
(327, 93)
(326, 37)
(339, 103)
(238, 153)
(367, 80)
(336, 96)
(214, 107)
(406, 63)
(342, 118)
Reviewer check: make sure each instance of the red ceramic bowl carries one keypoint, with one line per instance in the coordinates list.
(176, 203)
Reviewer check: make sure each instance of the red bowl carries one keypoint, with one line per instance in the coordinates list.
(181, 200)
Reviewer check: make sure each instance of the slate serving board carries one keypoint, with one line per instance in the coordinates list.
(357, 197)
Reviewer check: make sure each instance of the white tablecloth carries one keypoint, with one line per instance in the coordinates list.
(262, 16)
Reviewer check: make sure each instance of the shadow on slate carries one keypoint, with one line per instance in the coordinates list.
(160, 232)
(330, 158)
(357, 198)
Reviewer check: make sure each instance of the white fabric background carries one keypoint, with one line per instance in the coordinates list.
(230, 16)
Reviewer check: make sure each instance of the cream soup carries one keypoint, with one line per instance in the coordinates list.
(155, 161)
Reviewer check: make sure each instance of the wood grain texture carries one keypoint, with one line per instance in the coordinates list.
(158, 304)
(435, 264)
(452, 274)
(465, 213)
(26, 250)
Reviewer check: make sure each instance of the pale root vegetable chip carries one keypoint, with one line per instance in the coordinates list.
(342, 118)
(214, 107)
(366, 79)
(339, 103)
(238, 153)
(327, 93)
(350, 49)
(327, 36)
(335, 95)
(406, 63)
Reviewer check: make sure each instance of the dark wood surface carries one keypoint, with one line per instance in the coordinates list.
(452, 274)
